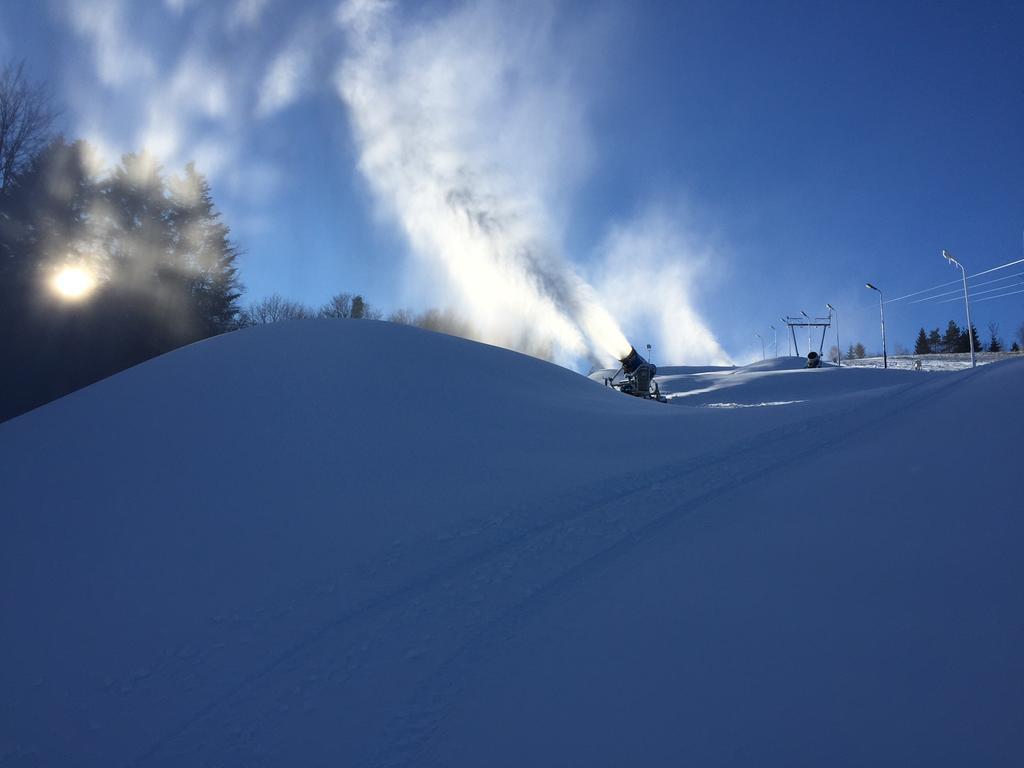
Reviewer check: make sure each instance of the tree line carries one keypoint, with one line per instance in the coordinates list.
(957, 339)
(276, 309)
(954, 340)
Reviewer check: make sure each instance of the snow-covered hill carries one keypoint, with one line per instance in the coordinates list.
(353, 543)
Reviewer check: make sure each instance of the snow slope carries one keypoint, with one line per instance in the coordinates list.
(353, 543)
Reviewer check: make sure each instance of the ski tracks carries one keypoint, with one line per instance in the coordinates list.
(437, 627)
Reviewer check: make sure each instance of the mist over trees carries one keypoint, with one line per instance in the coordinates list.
(156, 248)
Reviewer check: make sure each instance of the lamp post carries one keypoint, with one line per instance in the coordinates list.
(762, 344)
(775, 339)
(649, 358)
(839, 347)
(789, 341)
(881, 309)
(970, 328)
(808, 317)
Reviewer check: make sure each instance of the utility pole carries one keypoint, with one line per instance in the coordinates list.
(808, 330)
(967, 304)
(789, 341)
(839, 347)
(881, 309)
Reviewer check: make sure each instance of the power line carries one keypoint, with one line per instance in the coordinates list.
(926, 290)
(1001, 266)
(954, 282)
(958, 291)
(982, 293)
(865, 307)
(1011, 293)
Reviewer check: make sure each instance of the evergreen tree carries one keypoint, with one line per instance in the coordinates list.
(859, 352)
(921, 347)
(964, 343)
(203, 251)
(934, 340)
(851, 353)
(358, 307)
(951, 338)
(158, 254)
(978, 346)
(1015, 347)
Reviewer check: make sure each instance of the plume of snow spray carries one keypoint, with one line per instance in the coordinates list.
(658, 256)
(432, 114)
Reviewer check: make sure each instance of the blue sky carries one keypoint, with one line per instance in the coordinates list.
(722, 162)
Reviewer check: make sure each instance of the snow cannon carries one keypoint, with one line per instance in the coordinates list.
(813, 359)
(638, 377)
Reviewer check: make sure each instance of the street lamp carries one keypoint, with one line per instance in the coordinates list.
(789, 343)
(881, 308)
(970, 328)
(839, 348)
(808, 330)
(775, 339)
(762, 344)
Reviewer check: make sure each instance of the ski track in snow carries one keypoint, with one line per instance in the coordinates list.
(485, 595)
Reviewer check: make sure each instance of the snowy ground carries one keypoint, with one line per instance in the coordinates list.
(353, 543)
(936, 362)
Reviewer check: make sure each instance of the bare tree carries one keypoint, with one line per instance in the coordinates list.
(995, 344)
(339, 305)
(26, 120)
(402, 317)
(273, 309)
(345, 305)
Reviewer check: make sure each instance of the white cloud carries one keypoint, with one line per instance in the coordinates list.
(191, 109)
(118, 58)
(246, 14)
(179, 6)
(289, 74)
(180, 107)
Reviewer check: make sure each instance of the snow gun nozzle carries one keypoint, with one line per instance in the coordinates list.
(632, 361)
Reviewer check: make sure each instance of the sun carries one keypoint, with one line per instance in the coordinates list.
(73, 283)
